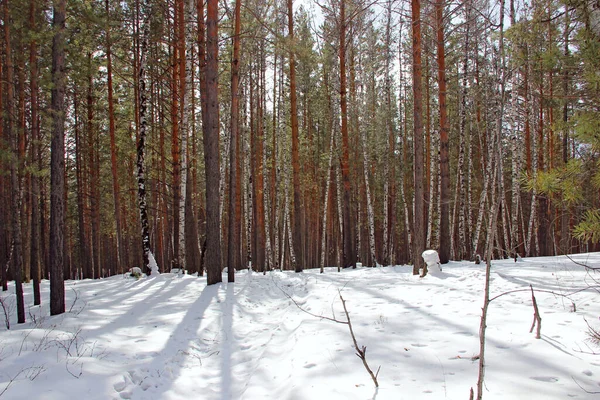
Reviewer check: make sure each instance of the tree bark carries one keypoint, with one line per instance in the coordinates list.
(211, 148)
(113, 146)
(419, 217)
(35, 159)
(57, 182)
(175, 132)
(15, 163)
(297, 232)
(444, 128)
(349, 237)
(141, 145)
(234, 245)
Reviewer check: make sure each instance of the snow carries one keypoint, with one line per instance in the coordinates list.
(432, 259)
(172, 337)
(154, 271)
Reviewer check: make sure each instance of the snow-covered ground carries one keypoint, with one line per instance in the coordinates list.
(172, 337)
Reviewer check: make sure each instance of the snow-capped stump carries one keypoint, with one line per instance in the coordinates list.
(135, 272)
(432, 259)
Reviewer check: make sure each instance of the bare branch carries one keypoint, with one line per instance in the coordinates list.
(308, 312)
(536, 316)
(360, 352)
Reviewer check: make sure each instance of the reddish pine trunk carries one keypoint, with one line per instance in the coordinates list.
(297, 230)
(113, 148)
(349, 244)
(175, 152)
(444, 128)
(419, 216)
(233, 248)
(211, 147)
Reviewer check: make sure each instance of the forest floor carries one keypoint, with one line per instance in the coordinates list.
(172, 337)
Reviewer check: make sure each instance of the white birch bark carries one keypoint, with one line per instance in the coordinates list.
(186, 106)
(289, 225)
(370, 212)
(482, 202)
(326, 202)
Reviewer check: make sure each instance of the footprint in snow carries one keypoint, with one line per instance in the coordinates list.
(464, 333)
(544, 378)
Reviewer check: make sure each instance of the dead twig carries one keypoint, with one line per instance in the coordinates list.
(361, 352)
(536, 316)
(582, 388)
(6, 310)
(308, 312)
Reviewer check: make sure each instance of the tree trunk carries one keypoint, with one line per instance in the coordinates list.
(233, 247)
(113, 146)
(175, 132)
(4, 223)
(297, 232)
(349, 243)
(94, 176)
(57, 182)
(81, 187)
(12, 135)
(141, 145)
(35, 160)
(186, 55)
(444, 128)
(419, 217)
(565, 239)
(211, 147)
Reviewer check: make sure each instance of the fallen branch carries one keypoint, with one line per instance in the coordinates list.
(360, 351)
(540, 291)
(582, 388)
(536, 316)
(308, 312)
(11, 381)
